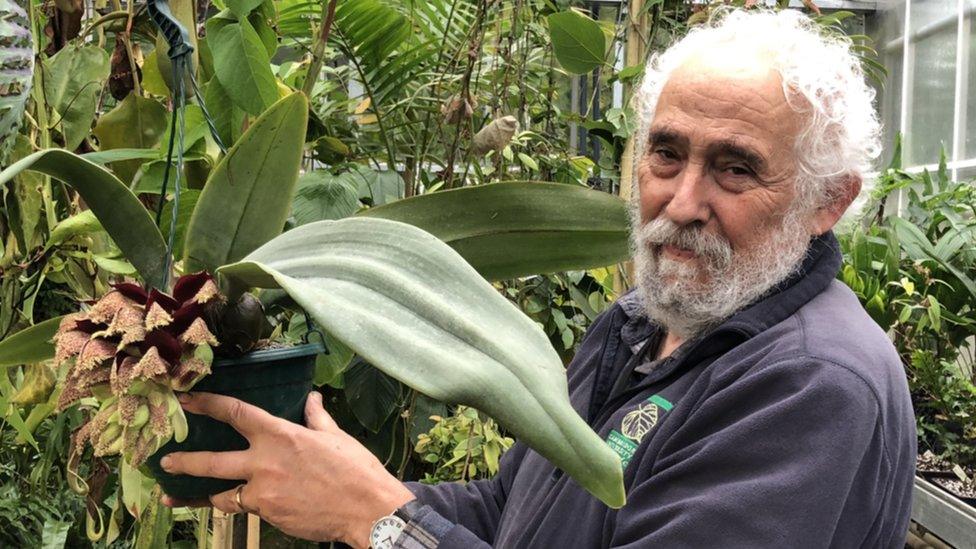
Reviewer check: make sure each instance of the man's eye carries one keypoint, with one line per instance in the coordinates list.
(739, 171)
(665, 154)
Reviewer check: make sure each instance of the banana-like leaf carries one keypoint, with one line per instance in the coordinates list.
(412, 307)
(246, 200)
(29, 345)
(122, 215)
(507, 230)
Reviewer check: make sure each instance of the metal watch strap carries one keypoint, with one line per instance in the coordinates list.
(408, 511)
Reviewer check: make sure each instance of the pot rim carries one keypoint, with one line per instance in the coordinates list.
(268, 355)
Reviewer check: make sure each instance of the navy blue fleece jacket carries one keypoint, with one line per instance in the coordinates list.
(790, 425)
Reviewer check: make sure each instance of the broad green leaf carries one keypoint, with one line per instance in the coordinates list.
(24, 203)
(154, 524)
(120, 212)
(73, 79)
(377, 187)
(267, 34)
(935, 313)
(578, 42)
(118, 155)
(54, 534)
(507, 230)
(246, 200)
(528, 162)
(185, 13)
(412, 307)
(372, 395)
(322, 196)
(78, 224)
(243, 67)
(228, 117)
(152, 79)
(11, 414)
(29, 345)
(188, 203)
(243, 7)
(624, 120)
(135, 123)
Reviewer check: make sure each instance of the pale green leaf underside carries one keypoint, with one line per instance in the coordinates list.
(411, 306)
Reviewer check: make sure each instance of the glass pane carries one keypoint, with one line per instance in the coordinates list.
(886, 27)
(926, 13)
(933, 82)
(967, 174)
(889, 104)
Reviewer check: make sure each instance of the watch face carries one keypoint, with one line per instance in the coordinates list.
(385, 532)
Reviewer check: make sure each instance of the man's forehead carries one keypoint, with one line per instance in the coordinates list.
(746, 105)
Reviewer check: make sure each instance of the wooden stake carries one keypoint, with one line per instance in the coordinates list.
(223, 530)
(253, 532)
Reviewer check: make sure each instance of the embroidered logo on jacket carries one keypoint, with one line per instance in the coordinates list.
(635, 425)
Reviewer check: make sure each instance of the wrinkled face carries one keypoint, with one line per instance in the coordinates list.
(716, 195)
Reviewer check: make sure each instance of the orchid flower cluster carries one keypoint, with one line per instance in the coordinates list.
(130, 351)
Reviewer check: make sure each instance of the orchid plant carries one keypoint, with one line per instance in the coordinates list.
(130, 351)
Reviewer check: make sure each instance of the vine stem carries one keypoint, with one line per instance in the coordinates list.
(127, 42)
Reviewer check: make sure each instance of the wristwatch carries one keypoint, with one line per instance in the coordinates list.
(387, 530)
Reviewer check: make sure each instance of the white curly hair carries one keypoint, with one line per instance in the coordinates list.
(821, 76)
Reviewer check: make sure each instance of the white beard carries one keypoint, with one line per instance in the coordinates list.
(690, 297)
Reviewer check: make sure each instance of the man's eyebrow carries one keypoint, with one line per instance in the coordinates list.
(664, 135)
(737, 150)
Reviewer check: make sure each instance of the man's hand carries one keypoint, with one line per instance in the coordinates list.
(316, 483)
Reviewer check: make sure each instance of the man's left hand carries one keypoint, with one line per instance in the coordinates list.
(316, 483)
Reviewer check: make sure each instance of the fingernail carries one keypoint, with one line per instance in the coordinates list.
(166, 463)
(183, 397)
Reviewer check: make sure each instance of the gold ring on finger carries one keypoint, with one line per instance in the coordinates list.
(237, 498)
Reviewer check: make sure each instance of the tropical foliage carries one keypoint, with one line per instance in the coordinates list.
(913, 272)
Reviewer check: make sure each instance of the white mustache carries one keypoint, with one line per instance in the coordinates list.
(662, 231)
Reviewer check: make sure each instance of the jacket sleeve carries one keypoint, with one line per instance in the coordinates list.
(769, 460)
(463, 515)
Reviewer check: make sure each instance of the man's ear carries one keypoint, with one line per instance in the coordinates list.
(827, 215)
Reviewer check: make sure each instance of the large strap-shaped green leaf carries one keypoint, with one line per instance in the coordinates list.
(412, 307)
(122, 215)
(29, 345)
(507, 230)
(246, 200)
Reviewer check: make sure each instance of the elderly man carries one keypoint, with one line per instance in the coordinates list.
(752, 401)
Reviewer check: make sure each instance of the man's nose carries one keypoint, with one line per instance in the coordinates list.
(689, 203)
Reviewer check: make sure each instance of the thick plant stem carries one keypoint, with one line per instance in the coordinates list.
(328, 15)
(40, 114)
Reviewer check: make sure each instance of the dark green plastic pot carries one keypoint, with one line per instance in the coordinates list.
(276, 380)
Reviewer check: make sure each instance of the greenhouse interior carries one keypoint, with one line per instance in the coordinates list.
(487, 273)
